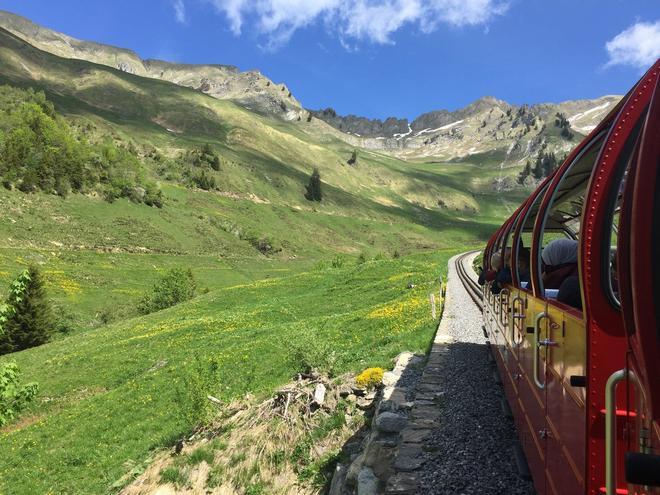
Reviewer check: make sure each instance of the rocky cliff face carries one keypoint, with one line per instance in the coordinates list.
(490, 127)
(250, 89)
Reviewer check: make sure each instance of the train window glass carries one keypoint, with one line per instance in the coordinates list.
(558, 260)
(616, 199)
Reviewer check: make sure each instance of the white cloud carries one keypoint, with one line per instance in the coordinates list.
(638, 46)
(179, 11)
(369, 20)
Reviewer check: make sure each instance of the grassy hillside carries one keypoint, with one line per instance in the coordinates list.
(108, 397)
(108, 384)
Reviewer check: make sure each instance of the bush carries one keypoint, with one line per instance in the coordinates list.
(176, 286)
(313, 355)
(13, 397)
(199, 381)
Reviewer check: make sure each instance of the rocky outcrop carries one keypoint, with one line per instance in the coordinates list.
(250, 89)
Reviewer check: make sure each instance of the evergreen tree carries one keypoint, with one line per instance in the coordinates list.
(30, 320)
(313, 189)
(524, 173)
(537, 171)
(353, 159)
(549, 164)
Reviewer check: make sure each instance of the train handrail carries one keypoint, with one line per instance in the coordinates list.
(537, 346)
(515, 317)
(503, 312)
(610, 423)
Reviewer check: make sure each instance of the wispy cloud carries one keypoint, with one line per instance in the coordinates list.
(638, 46)
(361, 20)
(179, 11)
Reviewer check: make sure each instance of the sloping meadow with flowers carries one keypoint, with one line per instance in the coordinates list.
(109, 397)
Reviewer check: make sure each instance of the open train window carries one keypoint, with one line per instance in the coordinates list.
(560, 230)
(511, 254)
(615, 201)
(526, 235)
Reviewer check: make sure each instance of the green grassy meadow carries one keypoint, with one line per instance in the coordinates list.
(107, 396)
(335, 280)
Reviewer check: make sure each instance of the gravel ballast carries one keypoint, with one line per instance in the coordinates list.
(470, 450)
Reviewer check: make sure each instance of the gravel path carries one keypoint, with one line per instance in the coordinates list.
(470, 451)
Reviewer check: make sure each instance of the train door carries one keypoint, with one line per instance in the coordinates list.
(561, 343)
(531, 397)
(612, 408)
(635, 282)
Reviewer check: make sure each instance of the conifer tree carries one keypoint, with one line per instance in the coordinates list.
(30, 320)
(524, 173)
(313, 189)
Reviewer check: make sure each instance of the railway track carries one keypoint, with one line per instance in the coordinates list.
(468, 281)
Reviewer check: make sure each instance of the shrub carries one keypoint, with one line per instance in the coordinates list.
(13, 397)
(370, 378)
(200, 380)
(176, 286)
(313, 355)
(26, 320)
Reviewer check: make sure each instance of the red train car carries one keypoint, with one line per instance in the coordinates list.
(574, 320)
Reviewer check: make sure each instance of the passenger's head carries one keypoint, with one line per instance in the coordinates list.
(560, 252)
(523, 260)
(496, 261)
(507, 256)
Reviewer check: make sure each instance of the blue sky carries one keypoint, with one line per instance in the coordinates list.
(381, 58)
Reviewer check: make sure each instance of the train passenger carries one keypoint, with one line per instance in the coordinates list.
(559, 262)
(489, 275)
(569, 292)
(523, 264)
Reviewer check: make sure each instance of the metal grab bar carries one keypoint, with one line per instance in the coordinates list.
(537, 330)
(610, 423)
(504, 313)
(515, 317)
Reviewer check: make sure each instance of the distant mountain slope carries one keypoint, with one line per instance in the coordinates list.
(250, 89)
(513, 133)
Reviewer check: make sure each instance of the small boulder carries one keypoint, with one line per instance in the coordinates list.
(390, 422)
(367, 482)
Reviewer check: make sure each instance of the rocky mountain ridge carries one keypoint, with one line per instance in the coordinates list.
(489, 126)
(250, 89)
(488, 130)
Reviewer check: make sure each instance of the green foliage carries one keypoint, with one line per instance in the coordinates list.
(40, 151)
(28, 317)
(313, 355)
(562, 122)
(524, 173)
(176, 286)
(13, 397)
(544, 165)
(353, 159)
(313, 189)
(199, 381)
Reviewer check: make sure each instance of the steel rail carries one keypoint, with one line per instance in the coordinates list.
(472, 287)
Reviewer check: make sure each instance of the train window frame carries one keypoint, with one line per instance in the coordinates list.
(540, 194)
(597, 141)
(514, 236)
(624, 164)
